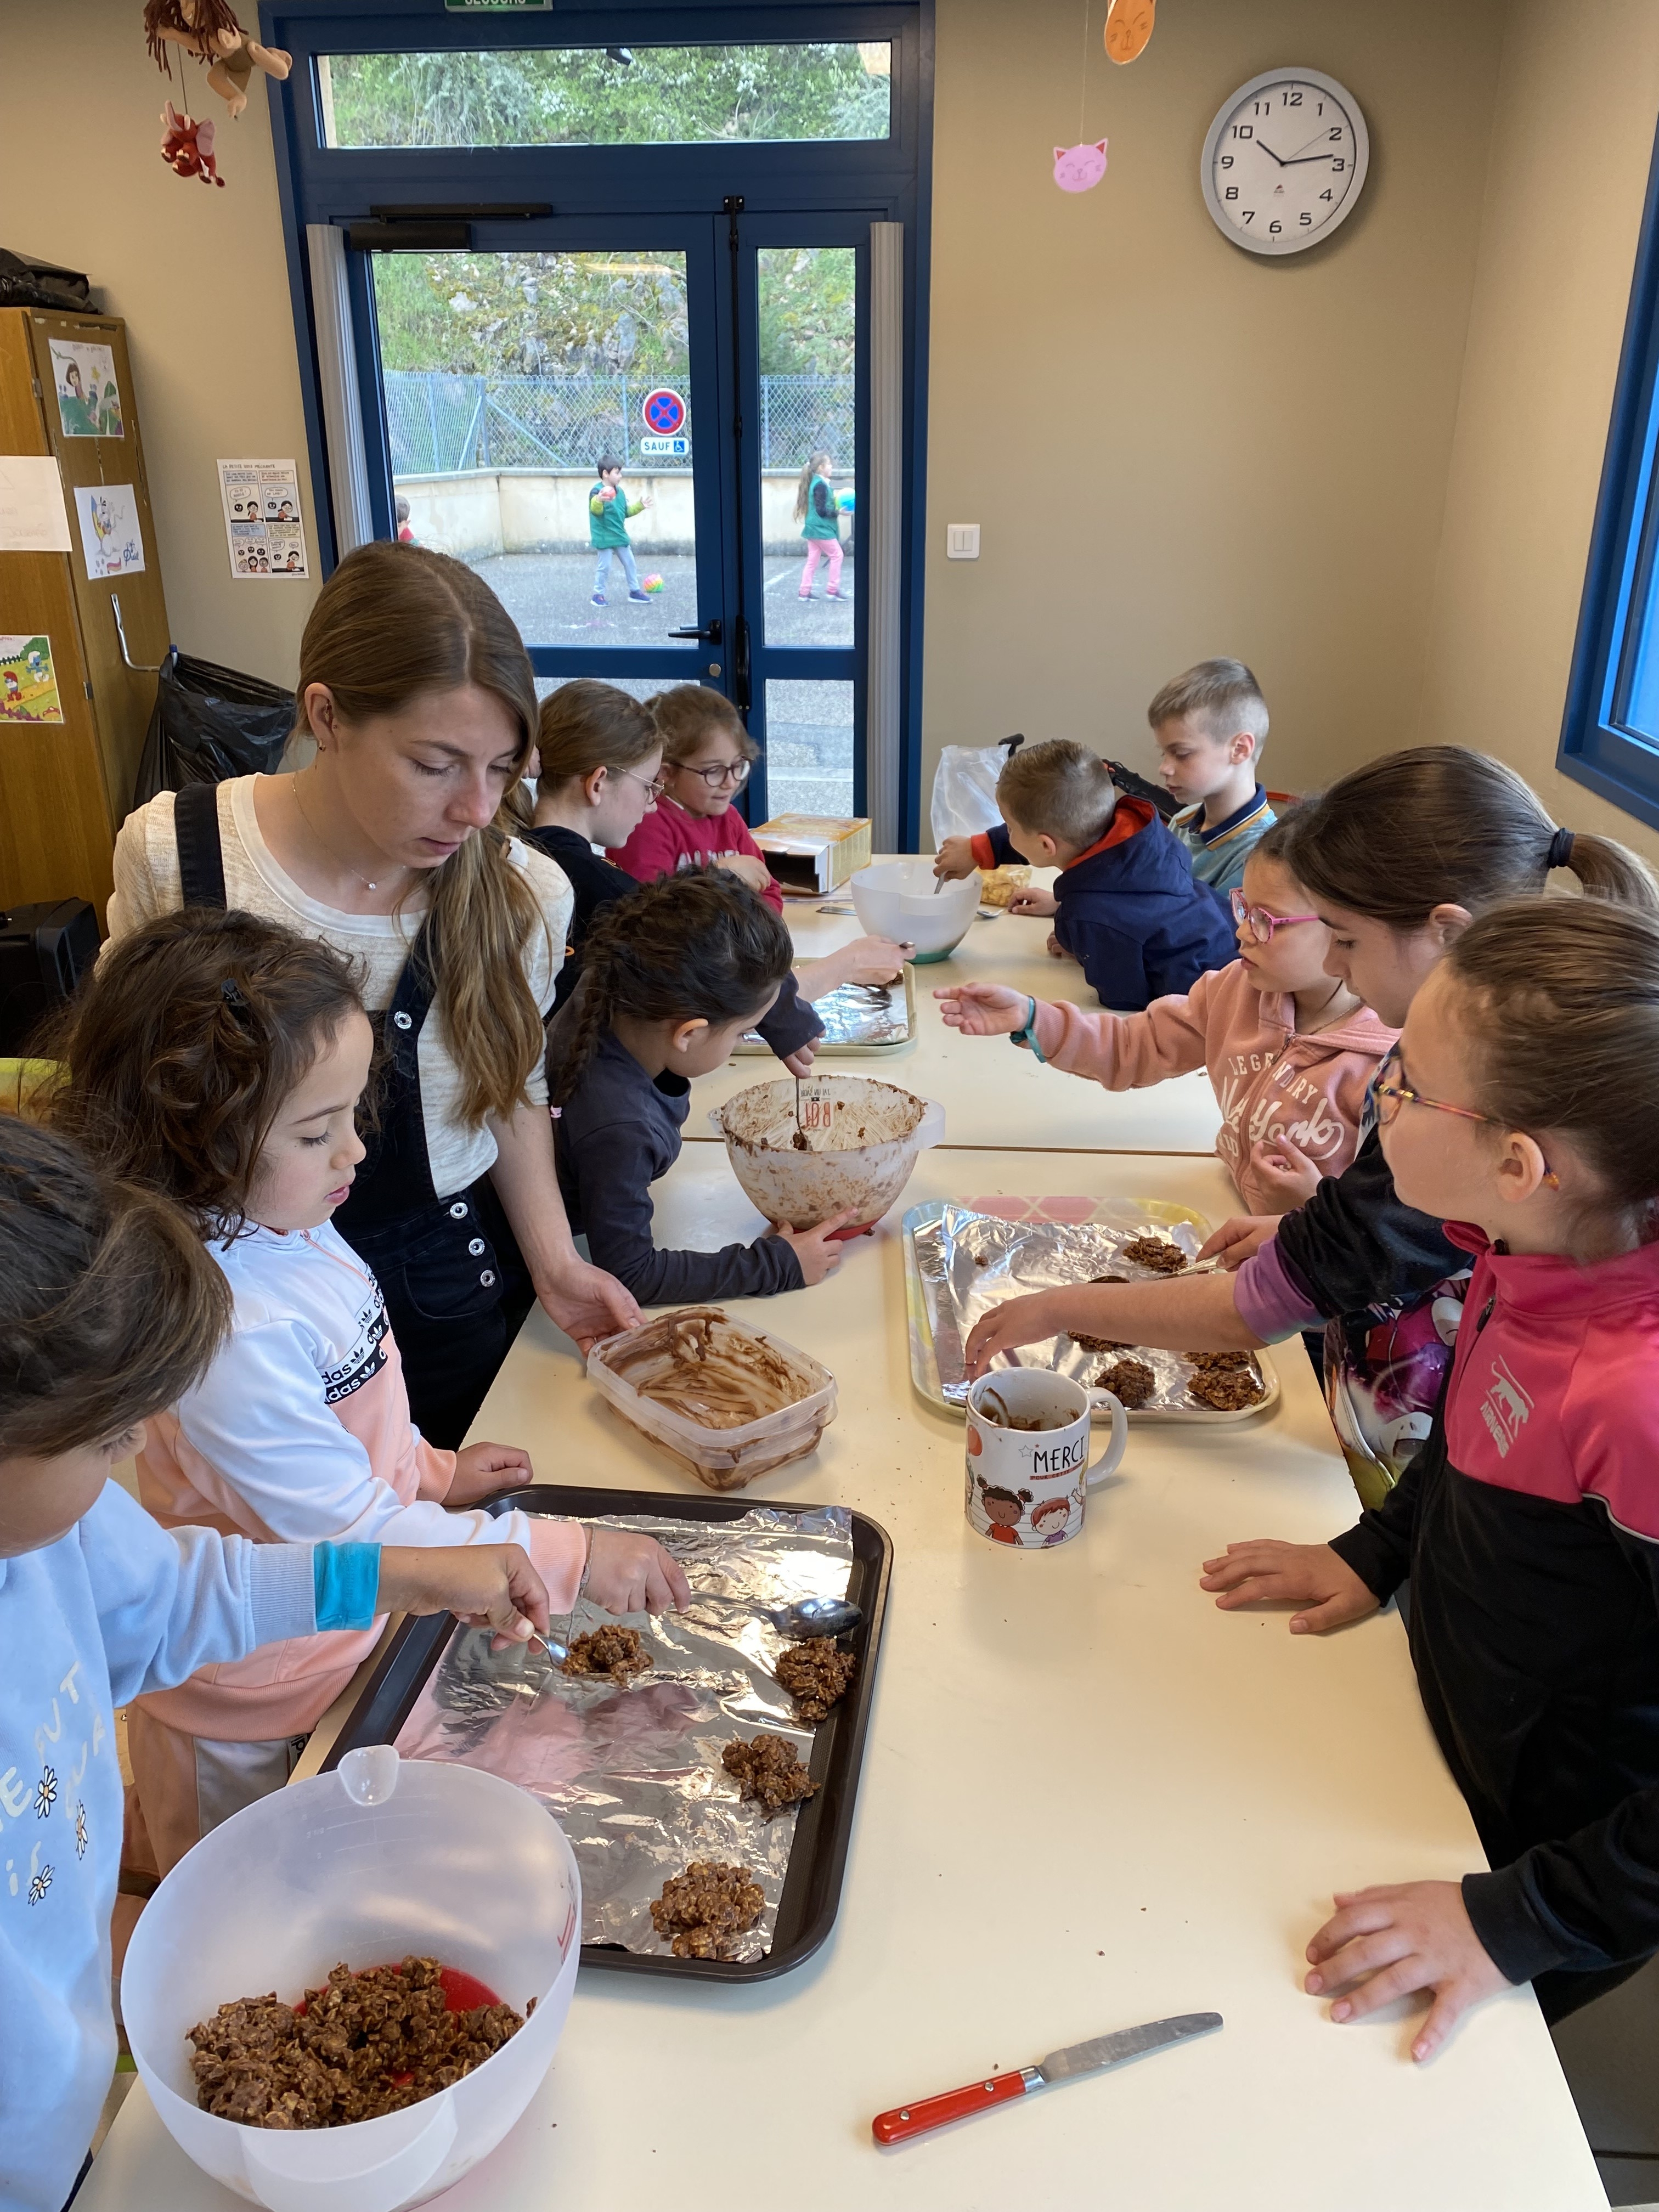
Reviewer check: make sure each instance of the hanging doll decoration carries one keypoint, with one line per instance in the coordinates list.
(187, 147)
(208, 30)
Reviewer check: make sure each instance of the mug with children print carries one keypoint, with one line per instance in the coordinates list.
(1029, 1476)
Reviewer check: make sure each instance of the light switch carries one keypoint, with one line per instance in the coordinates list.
(962, 541)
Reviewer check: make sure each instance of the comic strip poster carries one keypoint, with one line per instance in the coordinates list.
(89, 397)
(28, 681)
(263, 527)
(111, 541)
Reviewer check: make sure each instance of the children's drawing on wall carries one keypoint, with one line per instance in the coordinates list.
(111, 540)
(89, 397)
(264, 527)
(28, 681)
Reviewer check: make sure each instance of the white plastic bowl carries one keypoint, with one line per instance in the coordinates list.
(862, 1140)
(442, 1860)
(897, 899)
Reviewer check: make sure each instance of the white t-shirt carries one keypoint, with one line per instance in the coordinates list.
(147, 884)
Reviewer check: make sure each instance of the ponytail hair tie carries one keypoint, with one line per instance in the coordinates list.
(231, 991)
(1560, 852)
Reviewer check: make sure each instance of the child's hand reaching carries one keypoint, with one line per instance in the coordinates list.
(1403, 1937)
(954, 858)
(486, 1585)
(1239, 1237)
(1033, 899)
(864, 960)
(983, 1009)
(1288, 1175)
(747, 867)
(800, 1063)
(482, 1469)
(1056, 951)
(1264, 1572)
(817, 1255)
(635, 1574)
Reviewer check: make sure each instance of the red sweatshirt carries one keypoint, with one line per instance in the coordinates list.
(669, 839)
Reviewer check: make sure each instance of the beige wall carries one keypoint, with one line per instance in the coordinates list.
(200, 277)
(1268, 468)
(1578, 96)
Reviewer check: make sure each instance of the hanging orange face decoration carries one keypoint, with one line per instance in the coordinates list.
(1128, 27)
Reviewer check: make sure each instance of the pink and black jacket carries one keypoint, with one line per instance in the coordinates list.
(1528, 1526)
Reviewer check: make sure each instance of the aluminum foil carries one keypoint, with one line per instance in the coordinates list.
(970, 1262)
(634, 1775)
(857, 1014)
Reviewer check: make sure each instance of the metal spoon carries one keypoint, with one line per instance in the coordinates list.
(815, 1616)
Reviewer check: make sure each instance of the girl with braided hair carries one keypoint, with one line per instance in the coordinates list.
(672, 975)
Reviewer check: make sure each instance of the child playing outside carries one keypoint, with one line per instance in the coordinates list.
(600, 755)
(1125, 904)
(609, 513)
(1519, 1104)
(817, 512)
(218, 1059)
(707, 755)
(1289, 1047)
(109, 1309)
(1211, 725)
(672, 978)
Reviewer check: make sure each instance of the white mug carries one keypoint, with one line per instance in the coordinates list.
(1028, 1486)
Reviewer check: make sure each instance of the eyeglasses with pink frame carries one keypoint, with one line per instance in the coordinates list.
(1261, 924)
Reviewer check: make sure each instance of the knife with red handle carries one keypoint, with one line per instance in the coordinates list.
(907, 2120)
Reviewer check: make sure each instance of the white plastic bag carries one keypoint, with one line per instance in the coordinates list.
(964, 798)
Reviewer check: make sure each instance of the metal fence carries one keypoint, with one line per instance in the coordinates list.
(442, 425)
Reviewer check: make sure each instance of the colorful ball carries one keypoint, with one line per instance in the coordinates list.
(845, 501)
(651, 583)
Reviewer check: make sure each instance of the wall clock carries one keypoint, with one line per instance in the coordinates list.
(1284, 161)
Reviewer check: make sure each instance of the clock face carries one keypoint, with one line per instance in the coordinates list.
(1284, 161)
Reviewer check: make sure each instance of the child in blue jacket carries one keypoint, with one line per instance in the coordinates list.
(110, 1309)
(1125, 904)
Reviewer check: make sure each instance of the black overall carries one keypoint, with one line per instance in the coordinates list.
(455, 1283)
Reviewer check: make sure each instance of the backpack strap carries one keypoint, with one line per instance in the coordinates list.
(201, 851)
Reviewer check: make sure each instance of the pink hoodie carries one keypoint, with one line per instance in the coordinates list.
(1269, 1082)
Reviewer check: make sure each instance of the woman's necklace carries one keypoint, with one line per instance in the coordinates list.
(367, 881)
(1329, 1000)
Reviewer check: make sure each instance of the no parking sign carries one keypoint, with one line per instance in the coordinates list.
(664, 412)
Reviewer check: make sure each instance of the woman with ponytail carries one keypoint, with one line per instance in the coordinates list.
(1397, 859)
(417, 692)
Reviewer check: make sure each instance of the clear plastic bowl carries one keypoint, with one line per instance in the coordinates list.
(722, 1459)
(899, 898)
(444, 1861)
(861, 1142)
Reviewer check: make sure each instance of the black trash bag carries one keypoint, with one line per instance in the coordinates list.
(209, 724)
(26, 282)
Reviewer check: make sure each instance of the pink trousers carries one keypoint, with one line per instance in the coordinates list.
(831, 549)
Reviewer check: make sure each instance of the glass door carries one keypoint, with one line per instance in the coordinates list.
(541, 406)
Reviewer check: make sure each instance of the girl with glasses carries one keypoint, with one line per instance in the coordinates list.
(1520, 1108)
(1397, 859)
(1289, 1048)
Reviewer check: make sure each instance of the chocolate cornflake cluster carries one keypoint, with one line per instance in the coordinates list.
(769, 1771)
(816, 1674)
(366, 2044)
(609, 1650)
(1131, 1381)
(1219, 1363)
(703, 1908)
(1156, 1253)
(1227, 1390)
(1097, 1343)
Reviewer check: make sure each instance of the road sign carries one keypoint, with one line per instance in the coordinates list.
(664, 411)
(665, 449)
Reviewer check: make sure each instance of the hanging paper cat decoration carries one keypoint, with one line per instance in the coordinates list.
(1079, 168)
(1128, 27)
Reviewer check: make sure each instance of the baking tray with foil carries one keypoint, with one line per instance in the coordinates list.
(633, 1775)
(960, 1259)
(860, 1018)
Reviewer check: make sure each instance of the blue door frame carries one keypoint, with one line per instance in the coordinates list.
(798, 194)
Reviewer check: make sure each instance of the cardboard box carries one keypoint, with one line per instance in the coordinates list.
(814, 853)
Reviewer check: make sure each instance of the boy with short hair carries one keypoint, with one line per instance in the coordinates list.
(1125, 904)
(609, 511)
(1211, 725)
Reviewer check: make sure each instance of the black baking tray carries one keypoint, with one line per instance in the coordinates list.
(823, 1825)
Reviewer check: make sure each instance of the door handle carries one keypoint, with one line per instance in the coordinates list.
(710, 632)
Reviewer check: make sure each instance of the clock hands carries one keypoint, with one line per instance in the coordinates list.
(1270, 154)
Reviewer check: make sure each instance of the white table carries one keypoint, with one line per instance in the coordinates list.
(992, 1094)
(1087, 1799)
